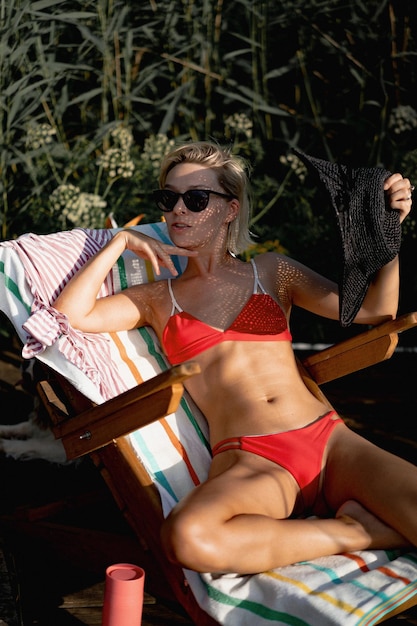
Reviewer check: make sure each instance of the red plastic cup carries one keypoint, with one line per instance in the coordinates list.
(123, 595)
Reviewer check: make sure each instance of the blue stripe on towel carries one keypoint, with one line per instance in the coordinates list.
(376, 615)
(340, 581)
(154, 466)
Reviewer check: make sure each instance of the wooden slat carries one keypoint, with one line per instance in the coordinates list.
(352, 360)
(98, 425)
(366, 349)
(107, 426)
(56, 409)
(171, 377)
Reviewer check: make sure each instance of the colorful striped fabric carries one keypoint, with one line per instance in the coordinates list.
(359, 588)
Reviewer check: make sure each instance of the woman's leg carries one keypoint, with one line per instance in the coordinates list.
(236, 522)
(384, 484)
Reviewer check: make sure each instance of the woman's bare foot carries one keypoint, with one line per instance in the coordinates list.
(380, 535)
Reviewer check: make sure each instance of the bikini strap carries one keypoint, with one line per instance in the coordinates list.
(233, 443)
(256, 282)
(175, 305)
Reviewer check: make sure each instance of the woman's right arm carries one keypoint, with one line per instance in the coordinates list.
(78, 300)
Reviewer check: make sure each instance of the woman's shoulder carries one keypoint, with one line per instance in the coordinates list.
(275, 272)
(273, 261)
(152, 300)
(281, 270)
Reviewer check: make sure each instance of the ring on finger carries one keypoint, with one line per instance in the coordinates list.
(411, 189)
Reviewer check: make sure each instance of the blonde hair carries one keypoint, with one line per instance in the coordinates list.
(231, 175)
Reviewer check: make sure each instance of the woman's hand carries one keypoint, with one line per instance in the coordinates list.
(399, 191)
(157, 252)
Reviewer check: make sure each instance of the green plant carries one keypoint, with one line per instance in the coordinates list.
(178, 69)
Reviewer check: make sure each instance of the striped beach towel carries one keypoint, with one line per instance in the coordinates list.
(352, 589)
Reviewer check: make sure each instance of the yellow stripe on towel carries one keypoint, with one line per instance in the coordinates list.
(348, 608)
(126, 358)
(170, 433)
(149, 271)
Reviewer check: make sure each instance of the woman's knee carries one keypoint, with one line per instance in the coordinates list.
(193, 542)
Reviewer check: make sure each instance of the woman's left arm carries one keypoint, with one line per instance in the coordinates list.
(381, 300)
(299, 285)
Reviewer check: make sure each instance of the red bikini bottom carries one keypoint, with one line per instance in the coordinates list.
(299, 451)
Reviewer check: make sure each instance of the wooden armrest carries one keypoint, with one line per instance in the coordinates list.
(372, 346)
(137, 407)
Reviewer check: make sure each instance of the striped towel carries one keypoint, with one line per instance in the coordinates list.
(358, 588)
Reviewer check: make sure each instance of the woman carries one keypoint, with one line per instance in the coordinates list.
(278, 453)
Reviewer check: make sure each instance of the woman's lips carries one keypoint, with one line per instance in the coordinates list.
(179, 225)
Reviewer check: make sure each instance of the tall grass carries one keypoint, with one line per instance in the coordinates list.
(336, 78)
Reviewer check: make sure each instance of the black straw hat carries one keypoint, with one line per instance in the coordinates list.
(370, 231)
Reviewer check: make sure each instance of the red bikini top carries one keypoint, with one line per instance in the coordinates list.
(261, 319)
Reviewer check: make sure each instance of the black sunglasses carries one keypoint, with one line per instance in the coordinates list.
(195, 200)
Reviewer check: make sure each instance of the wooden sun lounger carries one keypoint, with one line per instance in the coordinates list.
(99, 430)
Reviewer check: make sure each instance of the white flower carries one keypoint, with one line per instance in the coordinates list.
(297, 166)
(81, 209)
(403, 119)
(39, 135)
(89, 201)
(65, 197)
(240, 123)
(117, 162)
(123, 136)
(154, 150)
